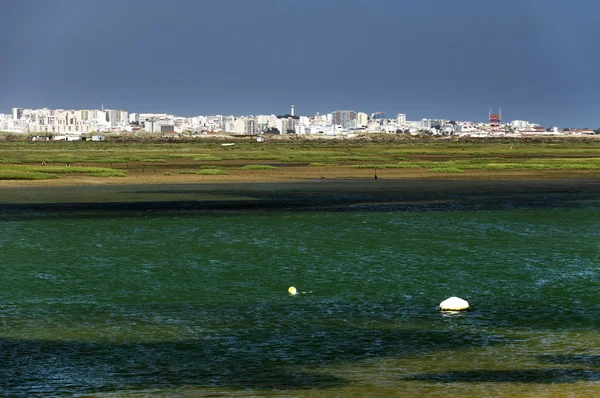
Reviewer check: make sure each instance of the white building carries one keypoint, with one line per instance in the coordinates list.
(17, 113)
(286, 125)
(60, 122)
(521, 124)
(304, 121)
(7, 124)
(401, 119)
(362, 119)
(134, 118)
(269, 120)
(155, 125)
(245, 126)
(228, 125)
(118, 119)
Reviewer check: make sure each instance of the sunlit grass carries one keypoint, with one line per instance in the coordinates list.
(54, 170)
(106, 173)
(490, 164)
(321, 164)
(25, 175)
(401, 165)
(447, 169)
(207, 158)
(435, 155)
(259, 167)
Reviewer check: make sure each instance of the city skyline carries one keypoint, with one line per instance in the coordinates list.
(535, 59)
(72, 124)
(338, 117)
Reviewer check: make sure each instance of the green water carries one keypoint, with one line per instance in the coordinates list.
(182, 303)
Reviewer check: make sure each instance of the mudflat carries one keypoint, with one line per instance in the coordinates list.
(318, 195)
(300, 174)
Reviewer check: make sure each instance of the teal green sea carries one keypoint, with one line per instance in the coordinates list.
(195, 303)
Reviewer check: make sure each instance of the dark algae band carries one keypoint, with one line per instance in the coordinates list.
(351, 195)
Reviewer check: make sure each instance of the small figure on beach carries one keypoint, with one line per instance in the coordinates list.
(375, 173)
(43, 163)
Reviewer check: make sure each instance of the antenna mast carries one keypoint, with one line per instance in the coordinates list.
(495, 119)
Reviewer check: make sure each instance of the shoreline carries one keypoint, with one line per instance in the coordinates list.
(321, 195)
(300, 173)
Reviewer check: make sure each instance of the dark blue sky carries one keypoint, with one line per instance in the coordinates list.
(538, 59)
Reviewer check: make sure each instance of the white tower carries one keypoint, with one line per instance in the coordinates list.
(292, 109)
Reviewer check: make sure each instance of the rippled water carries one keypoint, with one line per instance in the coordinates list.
(196, 304)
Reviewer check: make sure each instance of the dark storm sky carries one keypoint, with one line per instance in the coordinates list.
(538, 59)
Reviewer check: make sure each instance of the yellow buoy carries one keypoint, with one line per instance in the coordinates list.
(292, 291)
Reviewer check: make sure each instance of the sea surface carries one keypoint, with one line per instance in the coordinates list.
(182, 302)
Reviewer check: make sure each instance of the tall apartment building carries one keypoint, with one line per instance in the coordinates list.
(286, 124)
(245, 126)
(228, 124)
(362, 119)
(343, 118)
(116, 117)
(17, 113)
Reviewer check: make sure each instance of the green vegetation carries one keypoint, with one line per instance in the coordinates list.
(207, 157)
(321, 164)
(449, 156)
(24, 175)
(106, 173)
(492, 163)
(48, 172)
(447, 169)
(258, 167)
(402, 165)
(293, 152)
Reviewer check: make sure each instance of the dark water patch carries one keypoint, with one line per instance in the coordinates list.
(262, 359)
(572, 359)
(472, 197)
(551, 376)
(44, 368)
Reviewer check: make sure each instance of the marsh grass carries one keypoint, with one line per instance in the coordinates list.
(476, 156)
(321, 164)
(538, 164)
(207, 158)
(106, 173)
(258, 167)
(491, 164)
(54, 170)
(401, 165)
(447, 169)
(25, 175)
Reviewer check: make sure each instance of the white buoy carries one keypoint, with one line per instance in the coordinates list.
(454, 304)
(292, 291)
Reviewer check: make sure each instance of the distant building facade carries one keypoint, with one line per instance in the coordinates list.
(343, 118)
